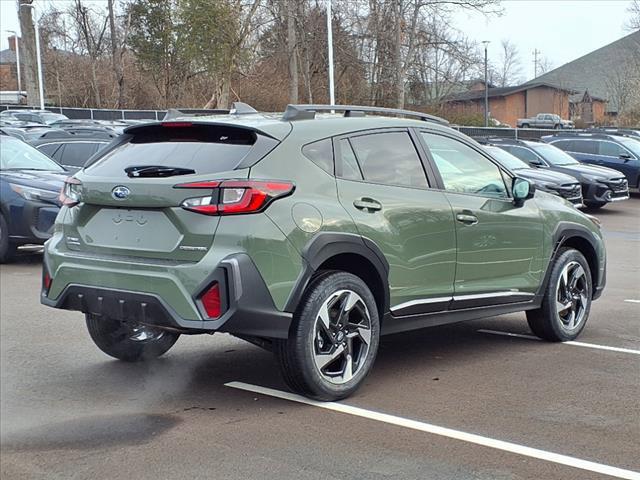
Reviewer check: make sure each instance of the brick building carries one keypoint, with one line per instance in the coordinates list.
(8, 67)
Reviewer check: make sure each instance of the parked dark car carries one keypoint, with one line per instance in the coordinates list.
(557, 183)
(608, 150)
(600, 185)
(30, 185)
(71, 148)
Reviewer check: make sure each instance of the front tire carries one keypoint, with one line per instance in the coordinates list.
(8, 250)
(594, 205)
(567, 300)
(129, 342)
(333, 340)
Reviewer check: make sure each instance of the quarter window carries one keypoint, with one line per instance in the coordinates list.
(464, 170)
(320, 153)
(523, 154)
(389, 158)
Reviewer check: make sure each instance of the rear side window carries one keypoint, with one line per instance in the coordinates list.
(389, 158)
(203, 148)
(348, 166)
(50, 149)
(320, 153)
(566, 145)
(584, 146)
(77, 154)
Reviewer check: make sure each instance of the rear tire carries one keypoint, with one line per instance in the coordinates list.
(333, 340)
(594, 205)
(525, 125)
(8, 250)
(567, 300)
(129, 342)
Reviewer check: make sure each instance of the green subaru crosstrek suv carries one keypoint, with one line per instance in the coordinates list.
(311, 235)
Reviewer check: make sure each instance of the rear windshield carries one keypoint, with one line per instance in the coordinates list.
(203, 148)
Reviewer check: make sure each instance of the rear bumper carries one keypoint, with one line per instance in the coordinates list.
(247, 306)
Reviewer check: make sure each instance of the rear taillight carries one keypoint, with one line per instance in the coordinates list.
(234, 197)
(70, 193)
(46, 281)
(211, 301)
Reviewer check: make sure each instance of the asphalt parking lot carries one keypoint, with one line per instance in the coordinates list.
(70, 412)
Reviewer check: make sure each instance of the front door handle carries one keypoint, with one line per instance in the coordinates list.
(467, 218)
(366, 203)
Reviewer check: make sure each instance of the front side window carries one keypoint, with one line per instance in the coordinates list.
(389, 158)
(464, 170)
(584, 146)
(610, 149)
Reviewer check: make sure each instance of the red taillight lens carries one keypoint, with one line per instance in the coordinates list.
(233, 197)
(46, 281)
(211, 301)
(176, 124)
(70, 193)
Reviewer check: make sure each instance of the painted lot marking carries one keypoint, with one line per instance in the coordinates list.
(572, 343)
(632, 301)
(445, 432)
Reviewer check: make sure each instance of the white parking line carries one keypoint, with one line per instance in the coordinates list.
(572, 343)
(445, 432)
(632, 301)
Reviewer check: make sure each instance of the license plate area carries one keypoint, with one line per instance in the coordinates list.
(131, 229)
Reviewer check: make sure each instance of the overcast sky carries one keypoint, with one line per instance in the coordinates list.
(562, 30)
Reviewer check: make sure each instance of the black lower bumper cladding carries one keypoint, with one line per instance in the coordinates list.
(248, 307)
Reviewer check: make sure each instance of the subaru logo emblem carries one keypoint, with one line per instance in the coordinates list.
(120, 192)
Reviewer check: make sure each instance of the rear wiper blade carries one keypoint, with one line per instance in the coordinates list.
(157, 171)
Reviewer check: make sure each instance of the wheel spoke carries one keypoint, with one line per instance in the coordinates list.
(347, 374)
(562, 306)
(324, 359)
(576, 275)
(571, 322)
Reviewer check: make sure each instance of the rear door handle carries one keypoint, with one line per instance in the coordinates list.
(366, 203)
(467, 218)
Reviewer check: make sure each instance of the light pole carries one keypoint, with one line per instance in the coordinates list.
(486, 86)
(15, 34)
(40, 79)
(332, 94)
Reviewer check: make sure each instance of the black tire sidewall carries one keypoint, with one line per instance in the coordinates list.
(302, 334)
(7, 250)
(101, 332)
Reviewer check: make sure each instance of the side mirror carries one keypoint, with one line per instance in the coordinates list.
(537, 163)
(522, 190)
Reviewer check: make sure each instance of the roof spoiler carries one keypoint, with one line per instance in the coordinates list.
(237, 108)
(308, 112)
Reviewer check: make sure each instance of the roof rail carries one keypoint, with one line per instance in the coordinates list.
(308, 112)
(237, 108)
(93, 133)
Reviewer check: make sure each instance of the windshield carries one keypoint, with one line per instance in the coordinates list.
(631, 144)
(17, 155)
(554, 155)
(506, 159)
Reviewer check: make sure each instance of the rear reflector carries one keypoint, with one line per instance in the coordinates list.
(46, 281)
(234, 197)
(211, 301)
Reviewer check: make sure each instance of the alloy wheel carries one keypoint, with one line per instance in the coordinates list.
(341, 337)
(572, 300)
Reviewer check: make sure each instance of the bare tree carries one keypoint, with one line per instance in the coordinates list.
(633, 19)
(509, 70)
(117, 50)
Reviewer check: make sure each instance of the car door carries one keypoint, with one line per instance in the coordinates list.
(382, 183)
(499, 244)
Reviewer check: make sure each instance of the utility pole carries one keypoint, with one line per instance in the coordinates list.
(332, 94)
(536, 52)
(15, 34)
(486, 85)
